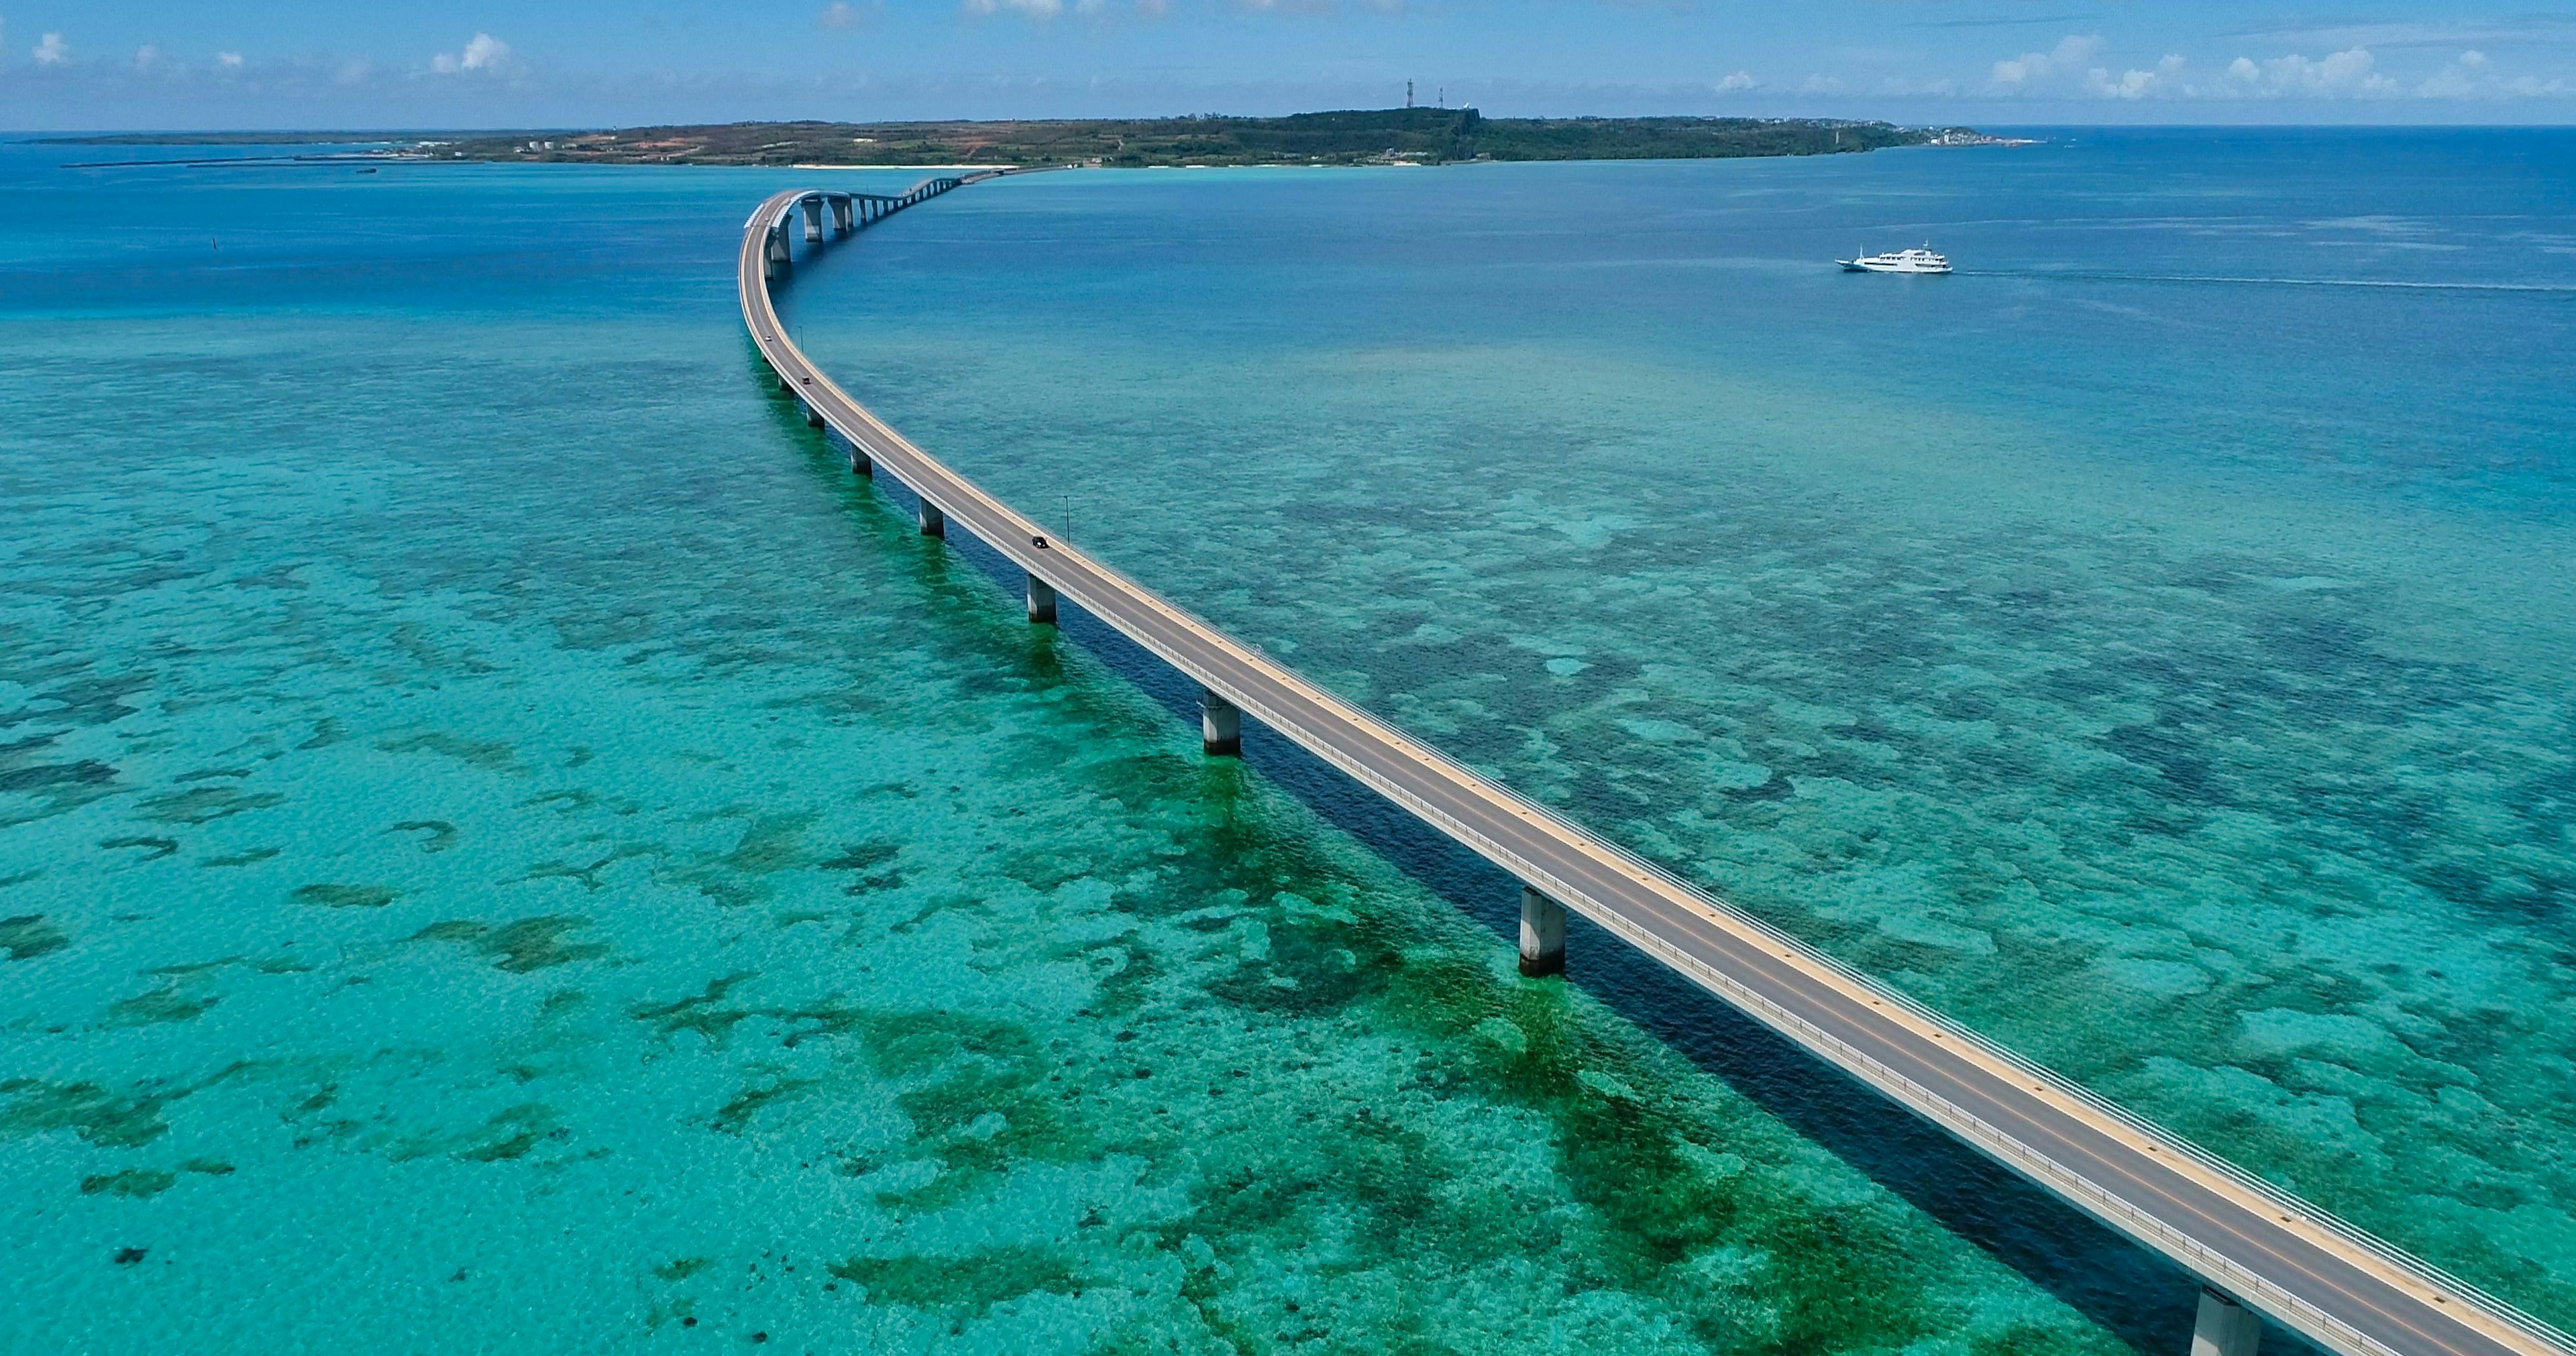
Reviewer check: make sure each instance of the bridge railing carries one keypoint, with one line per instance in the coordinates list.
(1975, 1130)
(1985, 1136)
(1980, 1133)
(919, 193)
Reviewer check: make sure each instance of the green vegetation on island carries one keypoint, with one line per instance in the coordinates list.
(1388, 136)
(1374, 136)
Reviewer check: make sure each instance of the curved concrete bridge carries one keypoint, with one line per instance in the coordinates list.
(850, 211)
(2253, 1247)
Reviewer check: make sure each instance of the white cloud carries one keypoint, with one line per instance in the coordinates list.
(2455, 81)
(1035, 9)
(2466, 77)
(2134, 84)
(231, 61)
(483, 53)
(2350, 73)
(2069, 56)
(1820, 84)
(146, 57)
(840, 14)
(1741, 80)
(2346, 72)
(53, 51)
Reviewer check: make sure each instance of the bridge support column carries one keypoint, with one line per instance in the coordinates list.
(813, 416)
(1041, 601)
(933, 522)
(1543, 936)
(813, 220)
(1220, 726)
(778, 254)
(860, 465)
(841, 215)
(2224, 1327)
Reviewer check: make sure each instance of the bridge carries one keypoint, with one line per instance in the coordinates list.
(850, 212)
(2256, 1250)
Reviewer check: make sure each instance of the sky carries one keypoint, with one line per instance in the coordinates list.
(165, 64)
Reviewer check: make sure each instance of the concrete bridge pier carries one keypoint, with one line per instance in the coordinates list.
(2324, 1288)
(813, 415)
(1543, 935)
(813, 220)
(2224, 1327)
(860, 465)
(841, 215)
(1220, 726)
(1041, 602)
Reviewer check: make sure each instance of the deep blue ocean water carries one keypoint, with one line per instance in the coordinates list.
(504, 845)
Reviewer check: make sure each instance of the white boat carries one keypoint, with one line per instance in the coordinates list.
(1902, 261)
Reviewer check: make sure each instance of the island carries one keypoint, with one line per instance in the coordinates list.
(1391, 136)
(1424, 136)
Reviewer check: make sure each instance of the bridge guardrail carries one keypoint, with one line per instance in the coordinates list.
(1978, 1132)
(1975, 1130)
(1983, 1135)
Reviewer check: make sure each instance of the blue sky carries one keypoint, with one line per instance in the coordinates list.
(487, 63)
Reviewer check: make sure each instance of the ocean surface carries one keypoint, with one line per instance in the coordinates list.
(505, 845)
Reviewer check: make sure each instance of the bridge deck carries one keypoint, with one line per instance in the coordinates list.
(2303, 1269)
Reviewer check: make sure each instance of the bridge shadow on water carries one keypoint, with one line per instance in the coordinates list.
(2134, 1293)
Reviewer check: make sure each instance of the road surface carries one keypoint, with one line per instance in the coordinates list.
(2269, 1251)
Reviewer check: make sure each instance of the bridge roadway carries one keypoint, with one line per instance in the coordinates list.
(2242, 1238)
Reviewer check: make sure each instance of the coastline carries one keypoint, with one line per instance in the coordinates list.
(1383, 137)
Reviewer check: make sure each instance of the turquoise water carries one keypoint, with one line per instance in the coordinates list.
(504, 846)
(2151, 645)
